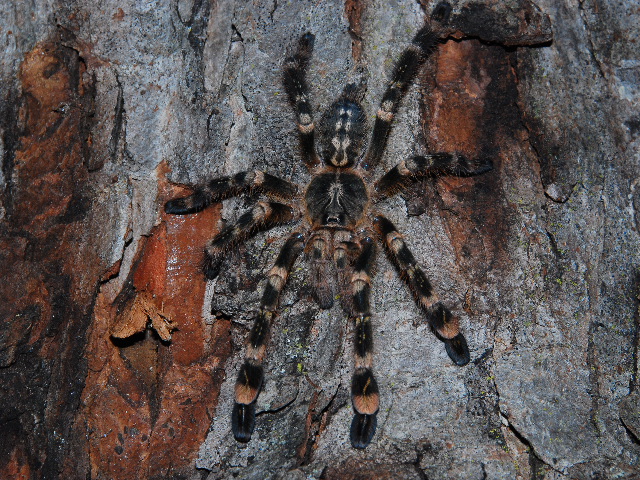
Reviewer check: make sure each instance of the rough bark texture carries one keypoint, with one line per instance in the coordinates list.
(108, 107)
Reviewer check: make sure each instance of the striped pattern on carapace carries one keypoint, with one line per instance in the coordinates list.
(338, 226)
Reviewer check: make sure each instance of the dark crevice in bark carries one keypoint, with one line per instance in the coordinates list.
(118, 122)
(630, 433)
(236, 36)
(196, 33)
(419, 457)
(273, 10)
(594, 377)
(592, 46)
(537, 465)
(9, 119)
(541, 147)
(559, 199)
(278, 409)
(317, 422)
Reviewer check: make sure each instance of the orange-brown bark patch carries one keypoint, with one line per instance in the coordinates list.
(163, 389)
(353, 10)
(473, 111)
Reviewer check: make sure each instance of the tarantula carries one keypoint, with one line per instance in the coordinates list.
(338, 224)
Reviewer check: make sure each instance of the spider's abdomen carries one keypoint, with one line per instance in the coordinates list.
(342, 130)
(336, 199)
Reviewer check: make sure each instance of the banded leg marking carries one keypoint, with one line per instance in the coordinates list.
(445, 325)
(295, 84)
(404, 72)
(221, 188)
(263, 216)
(251, 373)
(364, 388)
(433, 165)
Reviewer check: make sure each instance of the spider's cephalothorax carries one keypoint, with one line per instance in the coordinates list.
(338, 225)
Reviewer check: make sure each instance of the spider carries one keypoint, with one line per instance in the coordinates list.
(338, 224)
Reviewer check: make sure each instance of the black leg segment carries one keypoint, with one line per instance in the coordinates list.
(251, 374)
(221, 188)
(404, 72)
(264, 216)
(443, 323)
(365, 396)
(434, 165)
(295, 84)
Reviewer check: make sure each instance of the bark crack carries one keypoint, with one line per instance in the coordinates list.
(592, 47)
(273, 10)
(316, 422)
(536, 463)
(118, 121)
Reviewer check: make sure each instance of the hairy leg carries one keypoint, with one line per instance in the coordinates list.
(251, 374)
(225, 187)
(437, 164)
(295, 84)
(264, 216)
(404, 72)
(364, 388)
(444, 324)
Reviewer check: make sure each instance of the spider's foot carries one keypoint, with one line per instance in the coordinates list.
(243, 421)
(441, 12)
(306, 42)
(362, 429)
(191, 204)
(457, 349)
(470, 168)
(459, 165)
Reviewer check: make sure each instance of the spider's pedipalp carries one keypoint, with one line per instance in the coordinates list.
(320, 268)
(251, 374)
(263, 216)
(404, 72)
(295, 84)
(445, 325)
(436, 164)
(221, 188)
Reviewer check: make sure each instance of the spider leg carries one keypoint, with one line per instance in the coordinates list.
(251, 373)
(364, 388)
(295, 84)
(437, 164)
(404, 72)
(225, 187)
(263, 216)
(444, 324)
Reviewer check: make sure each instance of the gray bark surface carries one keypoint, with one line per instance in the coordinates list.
(539, 257)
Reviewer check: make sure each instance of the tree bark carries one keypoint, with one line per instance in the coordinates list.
(110, 109)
